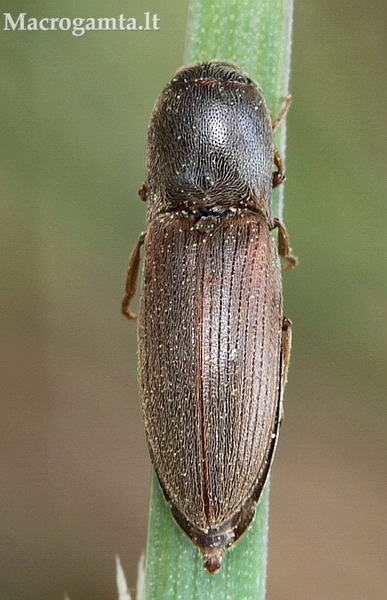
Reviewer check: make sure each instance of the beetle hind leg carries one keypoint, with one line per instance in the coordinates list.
(131, 279)
(285, 359)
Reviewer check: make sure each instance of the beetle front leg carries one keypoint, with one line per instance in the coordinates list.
(131, 279)
(278, 175)
(282, 114)
(142, 192)
(284, 249)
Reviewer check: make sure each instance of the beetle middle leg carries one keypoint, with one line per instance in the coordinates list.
(131, 279)
(284, 248)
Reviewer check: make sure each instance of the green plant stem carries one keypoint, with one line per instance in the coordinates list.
(174, 567)
(254, 34)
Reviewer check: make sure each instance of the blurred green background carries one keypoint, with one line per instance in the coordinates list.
(74, 469)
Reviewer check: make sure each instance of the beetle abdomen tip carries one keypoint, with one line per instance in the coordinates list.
(213, 562)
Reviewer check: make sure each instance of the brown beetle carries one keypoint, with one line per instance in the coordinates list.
(213, 343)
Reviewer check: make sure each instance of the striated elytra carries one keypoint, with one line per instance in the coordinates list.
(213, 342)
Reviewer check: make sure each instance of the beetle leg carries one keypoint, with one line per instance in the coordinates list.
(142, 192)
(285, 359)
(282, 114)
(284, 249)
(278, 175)
(130, 286)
